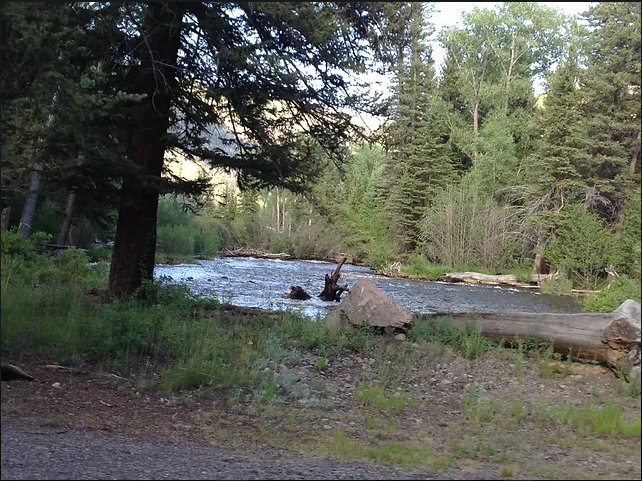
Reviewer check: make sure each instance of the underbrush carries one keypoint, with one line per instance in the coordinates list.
(47, 310)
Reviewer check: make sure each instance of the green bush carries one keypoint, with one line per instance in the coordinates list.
(627, 245)
(464, 336)
(14, 245)
(580, 245)
(175, 239)
(98, 254)
(420, 266)
(616, 293)
(558, 286)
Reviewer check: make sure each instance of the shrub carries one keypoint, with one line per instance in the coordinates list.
(580, 245)
(610, 298)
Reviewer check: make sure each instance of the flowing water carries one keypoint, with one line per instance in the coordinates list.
(247, 281)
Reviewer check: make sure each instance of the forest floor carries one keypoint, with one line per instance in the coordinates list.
(412, 406)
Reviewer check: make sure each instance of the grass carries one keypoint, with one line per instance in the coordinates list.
(598, 421)
(392, 452)
(588, 419)
(376, 397)
(56, 421)
(180, 344)
(45, 310)
(463, 336)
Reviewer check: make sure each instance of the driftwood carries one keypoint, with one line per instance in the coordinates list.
(254, 253)
(13, 373)
(611, 338)
(298, 293)
(501, 279)
(332, 291)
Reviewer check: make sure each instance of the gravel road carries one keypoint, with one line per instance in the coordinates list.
(31, 451)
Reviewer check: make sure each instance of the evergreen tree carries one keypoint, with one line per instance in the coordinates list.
(611, 101)
(267, 69)
(419, 162)
(558, 166)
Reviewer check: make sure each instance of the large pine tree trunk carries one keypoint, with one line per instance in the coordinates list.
(135, 243)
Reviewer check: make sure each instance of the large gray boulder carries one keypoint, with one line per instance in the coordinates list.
(366, 305)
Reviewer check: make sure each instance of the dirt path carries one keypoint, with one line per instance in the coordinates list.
(31, 451)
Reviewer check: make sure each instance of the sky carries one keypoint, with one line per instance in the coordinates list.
(448, 14)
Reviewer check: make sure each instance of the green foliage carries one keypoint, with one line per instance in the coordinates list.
(627, 256)
(99, 254)
(419, 164)
(376, 397)
(470, 175)
(478, 408)
(183, 234)
(596, 421)
(580, 245)
(464, 336)
(418, 265)
(613, 295)
(559, 285)
(15, 245)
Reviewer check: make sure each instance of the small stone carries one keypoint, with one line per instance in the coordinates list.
(400, 337)
(446, 381)
(327, 426)
(56, 385)
(371, 361)
(433, 380)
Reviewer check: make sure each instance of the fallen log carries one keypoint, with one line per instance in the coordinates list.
(505, 279)
(332, 291)
(298, 293)
(254, 253)
(9, 372)
(612, 338)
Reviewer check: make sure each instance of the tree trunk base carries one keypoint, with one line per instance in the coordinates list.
(332, 291)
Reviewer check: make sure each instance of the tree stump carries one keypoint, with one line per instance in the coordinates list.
(298, 293)
(332, 291)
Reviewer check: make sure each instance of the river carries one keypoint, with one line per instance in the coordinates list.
(247, 281)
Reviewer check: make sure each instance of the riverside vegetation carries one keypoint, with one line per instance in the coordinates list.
(165, 363)
(467, 168)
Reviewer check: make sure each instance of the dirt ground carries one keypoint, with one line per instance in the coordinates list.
(498, 413)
